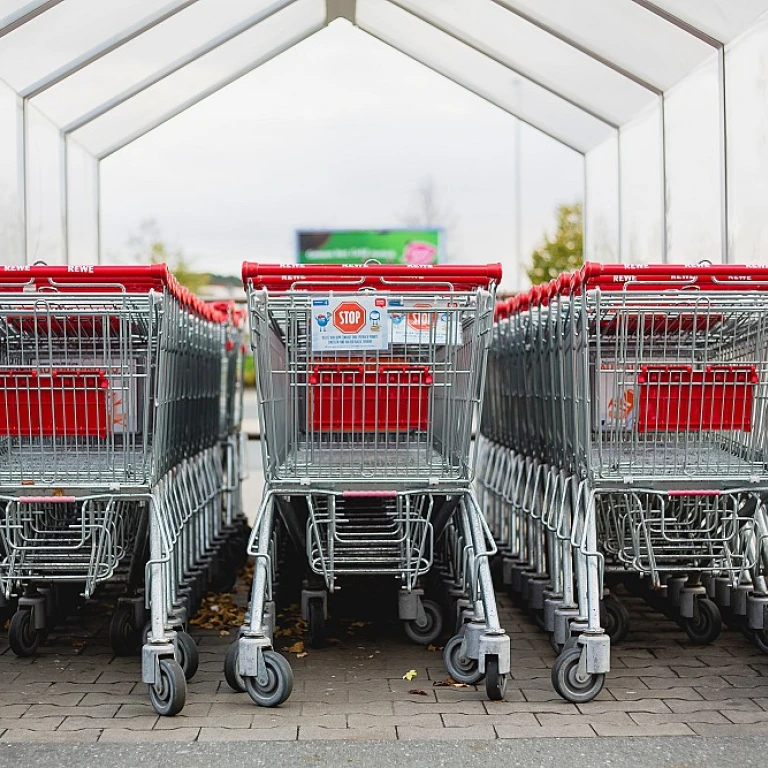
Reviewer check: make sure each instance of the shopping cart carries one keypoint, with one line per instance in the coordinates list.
(632, 445)
(109, 419)
(369, 379)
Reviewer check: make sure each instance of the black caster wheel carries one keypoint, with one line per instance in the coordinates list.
(169, 693)
(124, 635)
(316, 631)
(567, 681)
(233, 677)
(460, 668)
(279, 682)
(614, 618)
(23, 638)
(571, 642)
(706, 623)
(430, 629)
(188, 655)
(495, 683)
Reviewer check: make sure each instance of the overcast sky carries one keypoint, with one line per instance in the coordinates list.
(339, 132)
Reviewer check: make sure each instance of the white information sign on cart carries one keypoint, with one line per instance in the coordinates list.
(351, 323)
(421, 322)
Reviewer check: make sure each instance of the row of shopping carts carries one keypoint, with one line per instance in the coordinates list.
(624, 439)
(370, 380)
(120, 457)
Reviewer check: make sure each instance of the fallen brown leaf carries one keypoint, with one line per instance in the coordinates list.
(449, 682)
(418, 692)
(297, 647)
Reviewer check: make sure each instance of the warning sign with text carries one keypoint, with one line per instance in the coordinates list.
(423, 323)
(356, 323)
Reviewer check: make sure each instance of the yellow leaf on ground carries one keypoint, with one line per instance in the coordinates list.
(410, 674)
(297, 647)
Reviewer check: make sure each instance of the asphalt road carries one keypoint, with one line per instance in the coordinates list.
(555, 753)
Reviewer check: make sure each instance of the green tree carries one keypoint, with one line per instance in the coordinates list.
(150, 248)
(563, 252)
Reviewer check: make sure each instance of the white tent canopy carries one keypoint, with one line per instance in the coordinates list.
(660, 97)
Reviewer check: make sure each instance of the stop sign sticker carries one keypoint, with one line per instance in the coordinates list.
(420, 320)
(349, 317)
(356, 323)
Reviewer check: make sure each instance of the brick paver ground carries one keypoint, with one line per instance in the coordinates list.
(75, 690)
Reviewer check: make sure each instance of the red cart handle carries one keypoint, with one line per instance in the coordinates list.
(714, 277)
(401, 277)
(134, 278)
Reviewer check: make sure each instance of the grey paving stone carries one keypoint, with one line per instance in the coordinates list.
(228, 722)
(747, 681)
(283, 733)
(732, 729)
(541, 694)
(720, 704)
(97, 698)
(384, 721)
(313, 733)
(518, 719)
(511, 707)
(141, 723)
(296, 718)
(686, 694)
(363, 707)
(662, 729)
(427, 706)
(745, 716)
(730, 692)
(564, 721)
(32, 724)
(475, 732)
(53, 710)
(12, 710)
(125, 735)
(242, 705)
(659, 683)
(50, 737)
(38, 696)
(572, 731)
(639, 705)
(91, 689)
(647, 719)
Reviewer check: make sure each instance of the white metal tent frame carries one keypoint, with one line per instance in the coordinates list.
(583, 120)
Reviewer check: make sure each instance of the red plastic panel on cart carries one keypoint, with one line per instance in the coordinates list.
(55, 404)
(356, 398)
(676, 398)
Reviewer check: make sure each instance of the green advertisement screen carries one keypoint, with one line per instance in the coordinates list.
(356, 246)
